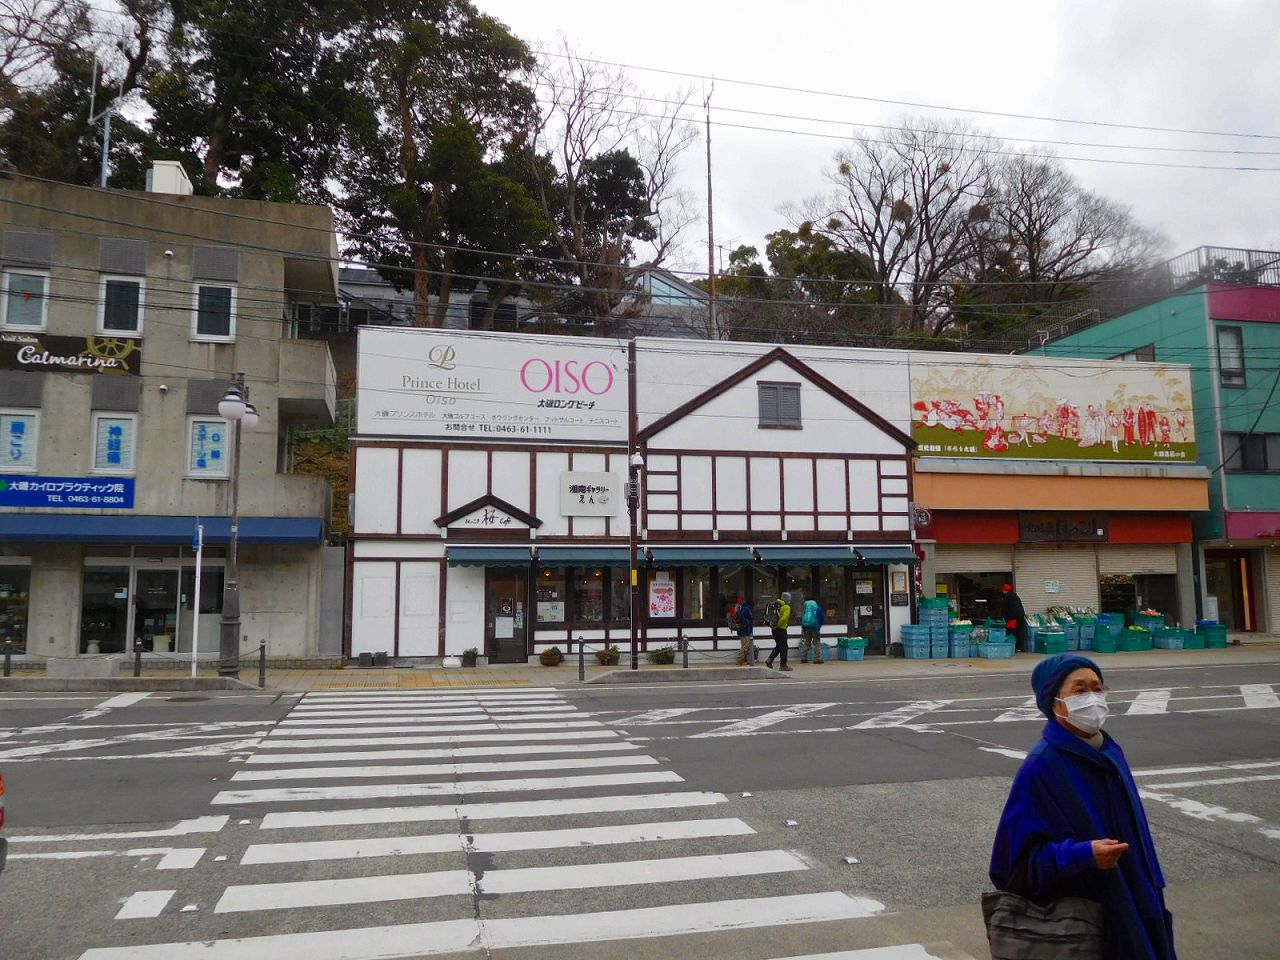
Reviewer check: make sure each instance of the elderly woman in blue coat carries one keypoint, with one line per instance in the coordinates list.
(1074, 824)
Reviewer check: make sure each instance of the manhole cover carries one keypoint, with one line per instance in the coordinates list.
(188, 699)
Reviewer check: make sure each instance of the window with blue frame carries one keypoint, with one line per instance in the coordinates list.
(19, 434)
(114, 436)
(1231, 356)
(209, 448)
(668, 294)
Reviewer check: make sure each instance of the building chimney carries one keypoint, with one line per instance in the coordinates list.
(167, 176)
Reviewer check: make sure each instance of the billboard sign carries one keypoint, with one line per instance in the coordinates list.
(71, 493)
(458, 385)
(40, 353)
(1026, 408)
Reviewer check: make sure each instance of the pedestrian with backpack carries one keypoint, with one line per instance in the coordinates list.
(742, 622)
(811, 619)
(778, 616)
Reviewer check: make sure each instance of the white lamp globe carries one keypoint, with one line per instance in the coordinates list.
(250, 418)
(232, 406)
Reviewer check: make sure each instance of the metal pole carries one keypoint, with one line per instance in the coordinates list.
(137, 658)
(106, 146)
(8, 658)
(713, 331)
(633, 503)
(684, 647)
(262, 664)
(229, 629)
(582, 661)
(195, 619)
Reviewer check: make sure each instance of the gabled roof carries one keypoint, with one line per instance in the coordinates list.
(488, 500)
(778, 355)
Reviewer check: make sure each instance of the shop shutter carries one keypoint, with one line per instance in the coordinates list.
(973, 559)
(1273, 590)
(1137, 558)
(1075, 568)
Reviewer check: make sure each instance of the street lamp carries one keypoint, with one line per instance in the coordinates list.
(634, 466)
(237, 410)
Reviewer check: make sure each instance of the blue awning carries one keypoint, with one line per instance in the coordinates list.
(584, 556)
(700, 556)
(800, 556)
(137, 528)
(886, 555)
(487, 556)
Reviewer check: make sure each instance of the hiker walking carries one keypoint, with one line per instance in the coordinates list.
(742, 623)
(778, 616)
(812, 617)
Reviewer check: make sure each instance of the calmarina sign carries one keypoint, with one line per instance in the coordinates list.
(450, 385)
(37, 352)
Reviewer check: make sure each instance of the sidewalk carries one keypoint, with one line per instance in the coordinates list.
(566, 675)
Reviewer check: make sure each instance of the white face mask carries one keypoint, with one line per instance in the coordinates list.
(1087, 711)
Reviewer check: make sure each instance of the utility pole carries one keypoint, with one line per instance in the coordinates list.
(711, 228)
(105, 117)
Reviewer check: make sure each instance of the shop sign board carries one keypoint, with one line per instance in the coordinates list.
(68, 493)
(40, 353)
(662, 596)
(586, 494)
(461, 385)
(1063, 528)
(1029, 408)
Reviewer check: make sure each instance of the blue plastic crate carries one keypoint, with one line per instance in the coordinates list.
(917, 651)
(996, 634)
(993, 651)
(940, 651)
(852, 653)
(960, 650)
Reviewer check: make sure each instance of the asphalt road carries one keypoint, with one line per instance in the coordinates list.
(738, 820)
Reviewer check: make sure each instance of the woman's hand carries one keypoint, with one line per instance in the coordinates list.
(1107, 853)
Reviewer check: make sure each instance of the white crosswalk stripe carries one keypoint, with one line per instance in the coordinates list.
(318, 848)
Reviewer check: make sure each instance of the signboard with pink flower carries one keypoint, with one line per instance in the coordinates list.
(1024, 408)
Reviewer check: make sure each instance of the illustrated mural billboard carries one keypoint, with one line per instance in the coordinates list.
(449, 384)
(1024, 408)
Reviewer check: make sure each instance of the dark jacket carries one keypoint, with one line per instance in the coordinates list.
(1066, 795)
(744, 622)
(1013, 610)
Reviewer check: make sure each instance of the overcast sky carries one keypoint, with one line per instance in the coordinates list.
(1209, 66)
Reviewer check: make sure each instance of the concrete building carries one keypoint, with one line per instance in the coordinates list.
(1221, 316)
(123, 318)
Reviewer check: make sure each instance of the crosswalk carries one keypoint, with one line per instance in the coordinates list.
(372, 825)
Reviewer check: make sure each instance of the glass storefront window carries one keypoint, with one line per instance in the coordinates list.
(764, 587)
(15, 589)
(621, 594)
(799, 583)
(550, 596)
(698, 603)
(732, 585)
(588, 596)
(976, 596)
(104, 610)
(832, 592)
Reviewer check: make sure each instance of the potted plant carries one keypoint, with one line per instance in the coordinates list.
(551, 657)
(469, 656)
(609, 656)
(663, 655)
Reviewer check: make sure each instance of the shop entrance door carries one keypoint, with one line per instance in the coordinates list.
(155, 610)
(866, 613)
(1228, 577)
(104, 610)
(505, 616)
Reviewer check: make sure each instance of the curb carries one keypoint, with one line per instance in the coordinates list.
(688, 676)
(123, 684)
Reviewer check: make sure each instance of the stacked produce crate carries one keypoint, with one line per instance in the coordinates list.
(935, 614)
(1213, 632)
(851, 648)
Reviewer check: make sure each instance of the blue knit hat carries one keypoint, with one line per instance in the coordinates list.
(1047, 677)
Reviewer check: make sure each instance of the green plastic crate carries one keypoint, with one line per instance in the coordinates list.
(1103, 645)
(1133, 643)
(1051, 646)
(1192, 642)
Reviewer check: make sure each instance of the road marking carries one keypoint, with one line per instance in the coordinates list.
(171, 858)
(404, 941)
(447, 713)
(271, 742)
(314, 731)
(1259, 695)
(903, 714)
(441, 769)
(1209, 811)
(1148, 702)
(443, 754)
(636, 872)
(433, 694)
(420, 721)
(409, 698)
(744, 728)
(1217, 782)
(657, 716)
(457, 787)
(243, 898)
(1205, 768)
(492, 811)
(1005, 752)
(905, 951)
(1027, 710)
(306, 851)
(145, 903)
(180, 829)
